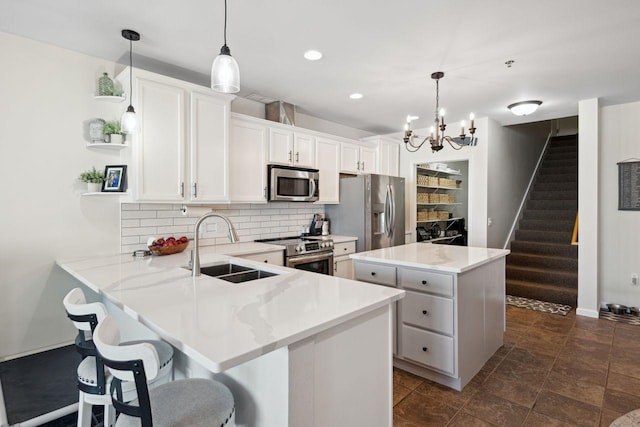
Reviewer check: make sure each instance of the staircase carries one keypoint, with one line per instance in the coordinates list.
(543, 265)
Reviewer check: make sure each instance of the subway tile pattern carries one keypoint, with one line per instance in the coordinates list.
(141, 221)
(551, 371)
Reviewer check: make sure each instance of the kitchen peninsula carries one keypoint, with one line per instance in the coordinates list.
(295, 348)
(452, 318)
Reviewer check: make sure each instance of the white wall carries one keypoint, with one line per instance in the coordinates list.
(619, 231)
(513, 154)
(477, 157)
(46, 102)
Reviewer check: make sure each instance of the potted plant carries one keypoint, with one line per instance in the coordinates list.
(94, 180)
(113, 133)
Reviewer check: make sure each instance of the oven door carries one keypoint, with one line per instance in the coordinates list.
(317, 263)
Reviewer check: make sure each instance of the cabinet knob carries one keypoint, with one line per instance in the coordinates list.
(424, 312)
(425, 349)
(373, 273)
(424, 282)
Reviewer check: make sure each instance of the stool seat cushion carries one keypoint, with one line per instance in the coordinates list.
(187, 403)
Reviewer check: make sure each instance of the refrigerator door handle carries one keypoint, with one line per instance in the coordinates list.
(392, 211)
(387, 212)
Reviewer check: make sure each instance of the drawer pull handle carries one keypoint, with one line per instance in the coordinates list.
(424, 312)
(424, 349)
(424, 282)
(266, 261)
(373, 273)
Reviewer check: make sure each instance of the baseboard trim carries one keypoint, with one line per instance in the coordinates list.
(587, 313)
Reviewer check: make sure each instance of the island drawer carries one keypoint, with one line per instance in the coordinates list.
(376, 273)
(344, 248)
(427, 311)
(426, 281)
(428, 348)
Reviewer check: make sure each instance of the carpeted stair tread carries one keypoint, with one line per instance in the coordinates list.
(548, 224)
(542, 261)
(560, 295)
(561, 155)
(557, 170)
(541, 248)
(559, 163)
(556, 186)
(542, 214)
(543, 276)
(557, 177)
(553, 204)
(560, 237)
(554, 195)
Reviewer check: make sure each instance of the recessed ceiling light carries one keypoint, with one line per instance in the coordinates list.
(524, 108)
(356, 96)
(411, 118)
(313, 55)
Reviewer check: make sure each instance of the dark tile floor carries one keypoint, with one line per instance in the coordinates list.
(551, 371)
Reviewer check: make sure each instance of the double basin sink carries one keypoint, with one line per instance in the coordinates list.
(235, 273)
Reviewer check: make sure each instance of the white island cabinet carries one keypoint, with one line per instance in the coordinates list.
(452, 318)
(295, 349)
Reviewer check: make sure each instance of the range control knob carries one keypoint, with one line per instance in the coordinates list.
(298, 248)
(331, 244)
(323, 245)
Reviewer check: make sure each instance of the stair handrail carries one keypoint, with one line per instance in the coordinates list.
(526, 193)
(574, 236)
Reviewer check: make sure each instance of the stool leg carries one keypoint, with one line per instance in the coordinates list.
(84, 411)
(109, 416)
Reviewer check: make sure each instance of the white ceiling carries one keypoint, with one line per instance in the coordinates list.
(564, 50)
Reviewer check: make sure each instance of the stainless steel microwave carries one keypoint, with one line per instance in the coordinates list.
(287, 183)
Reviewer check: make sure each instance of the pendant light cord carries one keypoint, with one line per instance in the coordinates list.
(130, 72)
(225, 22)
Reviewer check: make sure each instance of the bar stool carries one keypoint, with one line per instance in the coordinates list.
(193, 402)
(93, 379)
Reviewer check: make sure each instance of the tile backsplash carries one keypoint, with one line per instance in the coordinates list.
(140, 221)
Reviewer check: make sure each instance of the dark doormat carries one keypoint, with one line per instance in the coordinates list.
(532, 304)
(40, 383)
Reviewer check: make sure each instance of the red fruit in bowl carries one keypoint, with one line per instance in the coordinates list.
(171, 239)
(159, 242)
(184, 239)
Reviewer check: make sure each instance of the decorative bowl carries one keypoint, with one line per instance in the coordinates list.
(168, 250)
(617, 308)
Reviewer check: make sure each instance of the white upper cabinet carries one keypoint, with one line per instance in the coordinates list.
(161, 142)
(327, 156)
(358, 159)
(388, 155)
(292, 148)
(248, 160)
(209, 143)
(181, 151)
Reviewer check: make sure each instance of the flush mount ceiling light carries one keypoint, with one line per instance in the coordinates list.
(313, 55)
(129, 121)
(356, 96)
(524, 108)
(225, 74)
(436, 138)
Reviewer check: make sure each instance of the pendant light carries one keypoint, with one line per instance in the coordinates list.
(225, 74)
(129, 121)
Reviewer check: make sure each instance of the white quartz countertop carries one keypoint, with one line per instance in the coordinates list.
(221, 324)
(449, 258)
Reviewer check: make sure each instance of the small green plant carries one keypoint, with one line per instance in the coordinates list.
(92, 176)
(112, 127)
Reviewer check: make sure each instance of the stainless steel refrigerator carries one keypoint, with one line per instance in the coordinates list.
(372, 209)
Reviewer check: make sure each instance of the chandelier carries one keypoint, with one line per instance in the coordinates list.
(436, 135)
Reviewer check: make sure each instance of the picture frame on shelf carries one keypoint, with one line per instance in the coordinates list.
(115, 179)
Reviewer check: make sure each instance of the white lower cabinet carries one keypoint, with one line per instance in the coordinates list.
(275, 257)
(342, 263)
(247, 160)
(448, 324)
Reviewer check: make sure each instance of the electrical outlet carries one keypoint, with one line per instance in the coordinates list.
(634, 279)
(489, 222)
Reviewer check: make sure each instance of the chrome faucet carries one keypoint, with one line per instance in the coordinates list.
(195, 255)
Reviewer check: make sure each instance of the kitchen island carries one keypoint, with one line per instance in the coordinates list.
(452, 318)
(296, 348)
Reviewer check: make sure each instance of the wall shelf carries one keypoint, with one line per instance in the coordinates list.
(445, 171)
(437, 204)
(431, 221)
(114, 99)
(106, 193)
(106, 146)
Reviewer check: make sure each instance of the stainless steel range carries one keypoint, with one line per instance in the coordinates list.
(309, 255)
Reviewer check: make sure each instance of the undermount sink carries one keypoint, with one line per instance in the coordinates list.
(235, 273)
